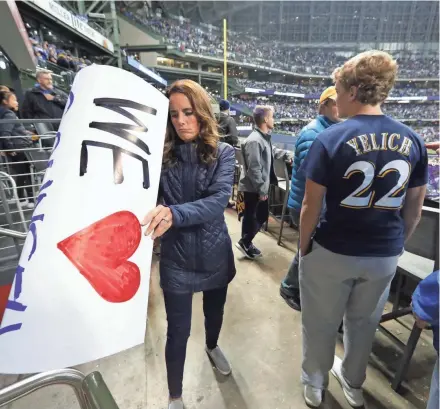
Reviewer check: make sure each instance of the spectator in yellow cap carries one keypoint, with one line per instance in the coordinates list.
(328, 115)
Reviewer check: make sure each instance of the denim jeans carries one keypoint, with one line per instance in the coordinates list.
(178, 307)
(291, 281)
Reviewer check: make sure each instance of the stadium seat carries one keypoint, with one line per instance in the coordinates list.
(282, 174)
(421, 258)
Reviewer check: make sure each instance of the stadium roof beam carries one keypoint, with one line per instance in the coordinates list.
(71, 7)
(260, 18)
(81, 7)
(157, 48)
(380, 32)
(102, 6)
(312, 10)
(235, 9)
(411, 21)
(92, 6)
(361, 25)
(280, 21)
(332, 19)
(432, 15)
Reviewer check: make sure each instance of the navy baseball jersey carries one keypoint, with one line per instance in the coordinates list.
(367, 163)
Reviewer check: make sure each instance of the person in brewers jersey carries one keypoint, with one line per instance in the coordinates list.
(372, 172)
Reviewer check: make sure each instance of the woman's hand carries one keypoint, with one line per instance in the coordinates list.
(159, 219)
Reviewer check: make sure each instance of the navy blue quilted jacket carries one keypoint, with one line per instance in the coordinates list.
(196, 253)
(305, 139)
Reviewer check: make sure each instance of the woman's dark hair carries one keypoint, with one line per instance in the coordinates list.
(207, 142)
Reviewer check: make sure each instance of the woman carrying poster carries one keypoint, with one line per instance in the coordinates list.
(196, 251)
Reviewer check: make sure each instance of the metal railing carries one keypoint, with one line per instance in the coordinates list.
(91, 391)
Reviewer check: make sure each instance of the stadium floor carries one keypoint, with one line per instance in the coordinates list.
(261, 337)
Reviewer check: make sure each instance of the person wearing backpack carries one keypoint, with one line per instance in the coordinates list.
(328, 115)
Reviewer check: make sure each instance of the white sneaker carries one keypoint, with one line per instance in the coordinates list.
(312, 396)
(354, 396)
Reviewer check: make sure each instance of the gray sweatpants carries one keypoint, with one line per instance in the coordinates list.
(334, 286)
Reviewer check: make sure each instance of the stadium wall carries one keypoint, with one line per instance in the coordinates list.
(131, 35)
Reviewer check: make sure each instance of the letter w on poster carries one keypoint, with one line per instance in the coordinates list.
(80, 292)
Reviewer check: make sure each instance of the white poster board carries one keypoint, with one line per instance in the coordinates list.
(80, 292)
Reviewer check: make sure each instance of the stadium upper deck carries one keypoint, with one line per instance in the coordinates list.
(309, 61)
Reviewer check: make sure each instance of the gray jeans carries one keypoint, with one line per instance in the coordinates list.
(334, 286)
(291, 281)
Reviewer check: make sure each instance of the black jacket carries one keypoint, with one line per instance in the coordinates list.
(8, 130)
(227, 129)
(36, 106)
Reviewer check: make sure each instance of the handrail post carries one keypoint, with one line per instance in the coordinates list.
(97, 393)
(26, 386)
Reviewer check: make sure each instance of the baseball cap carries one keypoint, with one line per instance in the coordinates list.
(330, 92)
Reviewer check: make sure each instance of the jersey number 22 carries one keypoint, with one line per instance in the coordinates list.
(389, 200)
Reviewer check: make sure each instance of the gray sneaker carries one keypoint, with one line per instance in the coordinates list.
(176, 404)
(219, 360)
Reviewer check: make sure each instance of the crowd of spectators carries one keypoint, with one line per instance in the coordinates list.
(315, 87)
(428, 133)
(412, 111)
(46, 52)
(285, 107)
(189, 37)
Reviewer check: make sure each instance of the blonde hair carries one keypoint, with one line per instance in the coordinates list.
(207, 142)
(373, 73)
(260, 113)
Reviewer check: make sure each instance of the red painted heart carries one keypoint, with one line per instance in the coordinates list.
(100, 253)
(4, 295)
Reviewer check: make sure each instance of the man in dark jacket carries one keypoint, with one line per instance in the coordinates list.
(328, 115)
(256, 177)
(226, 125)
(42, 101)
(14, 139)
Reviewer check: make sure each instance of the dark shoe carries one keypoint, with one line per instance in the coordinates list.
(256, 252)
(245, 250)
(219, 360)
(291, 297)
